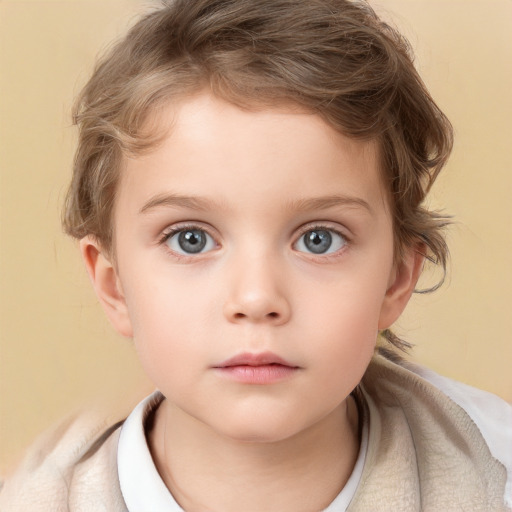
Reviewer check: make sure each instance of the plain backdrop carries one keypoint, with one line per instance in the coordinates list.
(58, 353)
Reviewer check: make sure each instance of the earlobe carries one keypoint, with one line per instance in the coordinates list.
(106, 284)
(402, 286)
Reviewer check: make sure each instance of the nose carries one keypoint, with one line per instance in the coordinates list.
(256, 294)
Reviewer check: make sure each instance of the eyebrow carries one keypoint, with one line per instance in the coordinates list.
(326, 202)
(178, 201)
(301, 205)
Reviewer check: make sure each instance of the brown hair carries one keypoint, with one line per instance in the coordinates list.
(335, 58)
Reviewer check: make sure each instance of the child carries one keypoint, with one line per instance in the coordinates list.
(249, 196)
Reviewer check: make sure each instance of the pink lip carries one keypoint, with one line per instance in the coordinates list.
(263, 368)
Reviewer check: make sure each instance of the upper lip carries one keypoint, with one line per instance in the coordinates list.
(250, 359)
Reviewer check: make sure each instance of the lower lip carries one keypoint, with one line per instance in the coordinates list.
(263, 374)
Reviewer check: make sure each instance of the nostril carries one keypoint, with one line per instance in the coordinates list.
(239, 315)
(273, 314)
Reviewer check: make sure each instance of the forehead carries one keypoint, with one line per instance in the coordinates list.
(215, 149)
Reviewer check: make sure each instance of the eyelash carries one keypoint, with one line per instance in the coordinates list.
(323, 227)
(171, 231)
(168, 233)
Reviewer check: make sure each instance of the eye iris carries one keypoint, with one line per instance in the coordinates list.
(192, 241)
(318, 241)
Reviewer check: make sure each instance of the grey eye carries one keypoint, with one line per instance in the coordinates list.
(190, 241)
(320, 241)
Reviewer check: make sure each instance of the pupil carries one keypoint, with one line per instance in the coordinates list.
(318, 241)
(192, 241)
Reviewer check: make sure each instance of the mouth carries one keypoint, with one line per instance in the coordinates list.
(263, 368)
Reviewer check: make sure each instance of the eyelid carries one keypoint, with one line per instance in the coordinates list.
(322, 226)
(327, 226)
(183, 226)
(174, 229)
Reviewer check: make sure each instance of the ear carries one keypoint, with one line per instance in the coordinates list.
(106, 284)
(401, 286)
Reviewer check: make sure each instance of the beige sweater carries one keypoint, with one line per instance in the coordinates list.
(424, 454)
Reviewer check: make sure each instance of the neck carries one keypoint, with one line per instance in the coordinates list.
(207, 471)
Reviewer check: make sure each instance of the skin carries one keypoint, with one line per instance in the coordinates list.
(255, 182)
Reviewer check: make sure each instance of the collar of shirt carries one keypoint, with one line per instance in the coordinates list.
(141, 483)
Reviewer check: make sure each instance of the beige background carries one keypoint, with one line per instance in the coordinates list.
(56, 350)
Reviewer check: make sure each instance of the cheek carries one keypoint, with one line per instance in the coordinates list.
(349, 304)
(349, 338)
(342, 326)
(164, 330)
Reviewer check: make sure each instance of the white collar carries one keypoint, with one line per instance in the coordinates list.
(141, 484)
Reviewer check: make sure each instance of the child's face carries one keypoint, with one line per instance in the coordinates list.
(252, 233)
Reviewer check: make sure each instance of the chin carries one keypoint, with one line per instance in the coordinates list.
(259, 430)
